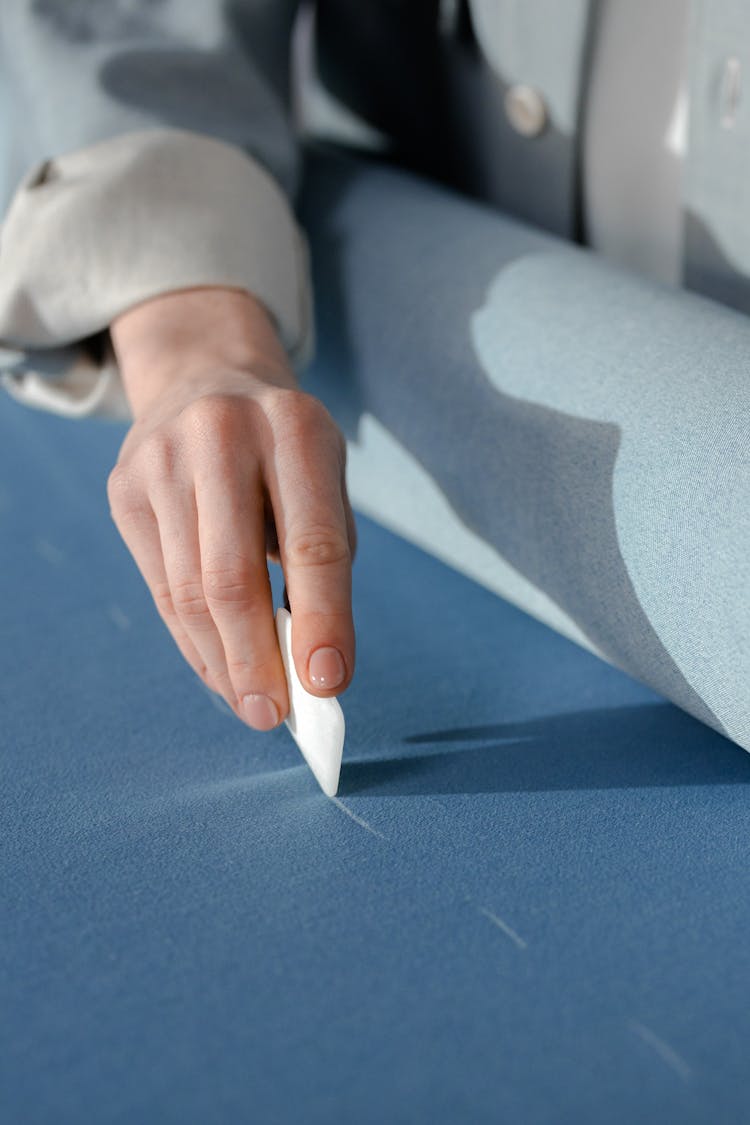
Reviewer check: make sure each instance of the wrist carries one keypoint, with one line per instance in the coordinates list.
(187, 334)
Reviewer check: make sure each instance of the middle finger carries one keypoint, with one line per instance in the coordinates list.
(232, 535)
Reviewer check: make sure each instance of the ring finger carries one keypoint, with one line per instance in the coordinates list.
(177, 520)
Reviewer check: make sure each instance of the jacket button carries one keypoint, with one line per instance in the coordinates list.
(525, 110)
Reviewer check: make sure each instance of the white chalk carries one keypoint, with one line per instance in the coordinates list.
(316, 725)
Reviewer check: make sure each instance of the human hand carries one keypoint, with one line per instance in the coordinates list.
(228, 463)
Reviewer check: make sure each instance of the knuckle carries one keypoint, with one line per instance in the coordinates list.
(243, 670)
(318, 547)
(302, 426)
(162, 596)
(307, 407)
(299, 413)
(190, 600)
(127, 499)
(120, 486)
(235, 584)
(210, 417)
(213, 430)
(156, 456)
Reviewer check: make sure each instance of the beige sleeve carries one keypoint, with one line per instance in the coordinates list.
(91, 233)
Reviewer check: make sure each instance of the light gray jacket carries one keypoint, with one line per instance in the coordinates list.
(149, 147)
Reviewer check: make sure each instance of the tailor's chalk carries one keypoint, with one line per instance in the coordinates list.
(316, 725)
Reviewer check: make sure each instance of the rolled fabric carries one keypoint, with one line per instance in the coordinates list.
(573, 436)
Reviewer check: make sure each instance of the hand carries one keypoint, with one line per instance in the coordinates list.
(228, 463)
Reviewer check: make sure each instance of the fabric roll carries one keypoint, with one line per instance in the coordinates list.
(570, 434)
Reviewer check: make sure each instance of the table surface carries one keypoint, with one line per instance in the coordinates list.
(529, 902)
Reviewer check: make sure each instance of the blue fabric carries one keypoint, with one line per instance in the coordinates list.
(531, 904)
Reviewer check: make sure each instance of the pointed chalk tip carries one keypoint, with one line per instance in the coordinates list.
(328, 780)
(323, 751)
(323, 755)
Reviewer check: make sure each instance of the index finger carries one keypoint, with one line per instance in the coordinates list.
(307, 490)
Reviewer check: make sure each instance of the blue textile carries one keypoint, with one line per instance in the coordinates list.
(531, 904)
(586, 428)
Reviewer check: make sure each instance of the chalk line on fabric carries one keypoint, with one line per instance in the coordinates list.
(120, 619)
(357, 819)
(665, 1052)
(501, 925)
(49, 552)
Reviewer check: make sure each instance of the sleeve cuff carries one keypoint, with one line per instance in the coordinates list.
(91, 233)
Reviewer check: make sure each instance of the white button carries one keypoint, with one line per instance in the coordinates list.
(525, 109)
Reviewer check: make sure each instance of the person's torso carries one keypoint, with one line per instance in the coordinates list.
(569, 114)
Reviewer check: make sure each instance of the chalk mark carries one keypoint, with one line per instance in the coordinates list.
(49, 552)
(120, 619)
(662, 1049)
(357, 819)
(501, 925)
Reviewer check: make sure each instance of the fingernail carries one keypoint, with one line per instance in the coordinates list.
(260, 711)
(327, 668)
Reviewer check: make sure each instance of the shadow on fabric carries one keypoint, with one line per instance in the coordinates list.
(643, 747)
